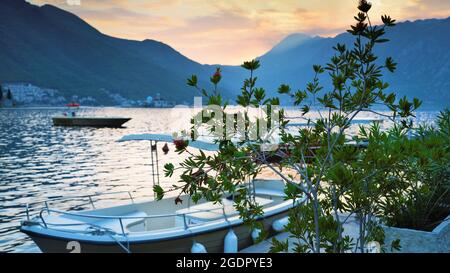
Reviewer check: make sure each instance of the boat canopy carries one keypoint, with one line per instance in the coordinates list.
(198, 144)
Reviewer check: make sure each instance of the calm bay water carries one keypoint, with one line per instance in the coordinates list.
(39, 161)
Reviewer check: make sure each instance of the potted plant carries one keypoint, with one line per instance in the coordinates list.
(418, 213)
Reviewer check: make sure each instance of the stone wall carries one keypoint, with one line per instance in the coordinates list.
(416, 241)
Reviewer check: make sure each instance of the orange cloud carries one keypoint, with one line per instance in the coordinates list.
(231, 31)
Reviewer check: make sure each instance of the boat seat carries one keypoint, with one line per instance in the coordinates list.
(65, 222)
(209, 211)
(82, 224)
(114, 224)
(271, 192)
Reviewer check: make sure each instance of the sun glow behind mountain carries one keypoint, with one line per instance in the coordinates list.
(228, 32)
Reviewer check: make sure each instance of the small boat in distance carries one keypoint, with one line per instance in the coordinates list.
(112, 122)
(73, 104)
(72, 119)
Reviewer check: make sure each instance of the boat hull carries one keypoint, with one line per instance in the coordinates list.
(213, 241)
(90, 121)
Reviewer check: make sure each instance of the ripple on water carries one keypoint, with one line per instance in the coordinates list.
(39, 162)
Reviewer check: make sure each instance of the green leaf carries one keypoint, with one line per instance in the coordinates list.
(381, 41)
(390, 98)
(417, 103)
(279, 246)
(305, 109)
(192, 81)
(390, 64)
(251, 65)
(159, 192)
(387, 20)
(318, 69)
(168, 169)
(284, 89)
(215, 100)
(275, 101)
(299, 97)
(395, 245)
(260, 94)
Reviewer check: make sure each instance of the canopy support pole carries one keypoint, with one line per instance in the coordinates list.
(154, 161)
(157, 162)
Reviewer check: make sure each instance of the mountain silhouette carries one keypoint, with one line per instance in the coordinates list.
(421, 49)
(52, 48)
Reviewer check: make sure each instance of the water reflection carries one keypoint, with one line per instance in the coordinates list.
(39, 162)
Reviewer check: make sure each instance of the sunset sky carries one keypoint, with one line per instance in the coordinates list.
(230, 31)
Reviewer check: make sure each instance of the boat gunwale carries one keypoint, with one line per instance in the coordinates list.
(144, 241)
(162, 235)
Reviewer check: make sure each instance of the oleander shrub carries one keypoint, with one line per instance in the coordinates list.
(424, 179)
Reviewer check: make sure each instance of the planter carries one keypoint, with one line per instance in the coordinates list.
(417, 241)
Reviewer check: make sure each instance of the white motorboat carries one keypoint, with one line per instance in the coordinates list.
(157, 226)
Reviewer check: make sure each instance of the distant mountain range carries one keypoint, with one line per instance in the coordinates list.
(52, 48)
(421, 49)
